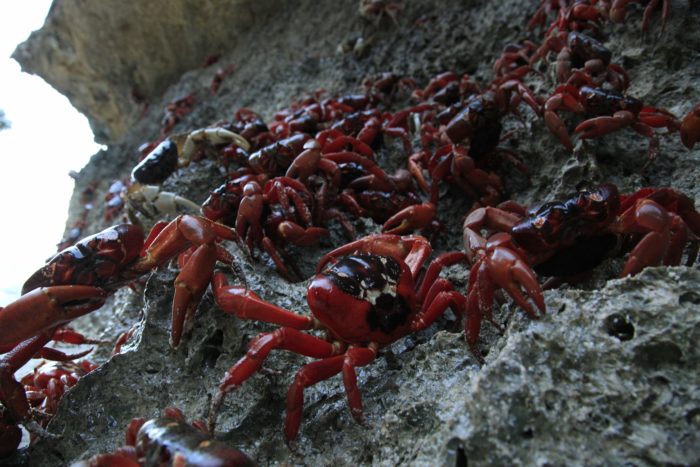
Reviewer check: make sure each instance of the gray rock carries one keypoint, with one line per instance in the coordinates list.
(150, 45)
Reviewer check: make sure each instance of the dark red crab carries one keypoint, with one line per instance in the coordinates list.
(78, 280)
(169, 440)
(366, 298)
(690, 127)
(566, 239)
(581, 59)
(609, 111)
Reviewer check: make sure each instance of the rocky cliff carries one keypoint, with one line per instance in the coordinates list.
(570, 388)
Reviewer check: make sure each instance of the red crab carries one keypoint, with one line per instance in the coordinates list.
(610, 111)
(49, 381)
(618, 11)
(16, 406)
(566, 239)
(103, 262)
(368, 297)
(171, 441)
(582, 59)
(175, 111)
(77, 281)
(690, 127)
(221, 74)
(572, 15)
(375, 9)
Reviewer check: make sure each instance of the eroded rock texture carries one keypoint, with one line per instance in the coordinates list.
(109, 59)
(609, 376)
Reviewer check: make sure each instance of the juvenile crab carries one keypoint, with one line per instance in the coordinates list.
(566, 239)
(368, 297)
(49, 381)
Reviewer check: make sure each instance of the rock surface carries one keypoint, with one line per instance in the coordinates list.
(609, 376)
(109, 60)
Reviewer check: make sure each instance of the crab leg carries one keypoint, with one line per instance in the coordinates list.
(440, 296)
(356, 357)
(433, 271)
(308, 375)
(182, 232)
(412, 249)
(298, 235)
(190, 285)
(599, 126)
(565, 98)
(245, 304)
(511, 273)
(650, 251)
(284, 339)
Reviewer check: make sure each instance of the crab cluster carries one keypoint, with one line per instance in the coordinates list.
(321, 163)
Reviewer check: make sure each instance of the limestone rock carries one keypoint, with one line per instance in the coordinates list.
(111, 58)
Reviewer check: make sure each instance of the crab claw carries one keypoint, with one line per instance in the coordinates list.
(216, 136)
(190, 285)
(46, 307)
(150, 201)
(418, 216)
(299, 235)
(690, 127)
(511, 273)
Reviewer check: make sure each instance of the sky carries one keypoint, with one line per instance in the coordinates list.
(48, 138)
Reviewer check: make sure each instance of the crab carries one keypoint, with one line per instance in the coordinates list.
(515, 60)
(175, 111)
(268, 215)
(375, 9)
(468, 140)
(480, 118)
(179, 150)
(690, 127)
(366, 295)
(117, 256)
(610, 111)
(571, 14)
(618, 11)
(20, 401)
(567, 239)
(78, 280)
(221, 74)
(582, 59)
(49, 381)
(170, 440)
(149, 202)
